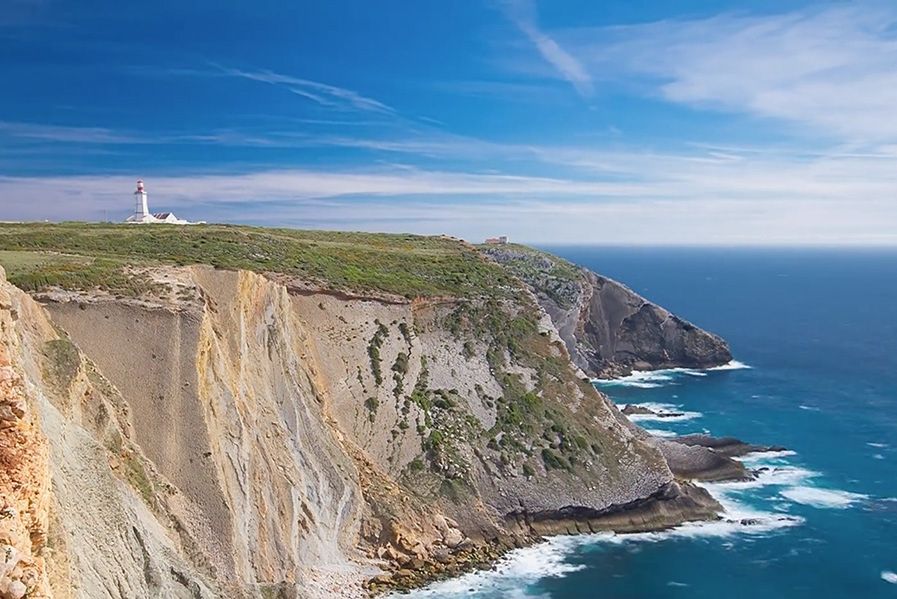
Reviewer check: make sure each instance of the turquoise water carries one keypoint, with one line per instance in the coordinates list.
(819, 332)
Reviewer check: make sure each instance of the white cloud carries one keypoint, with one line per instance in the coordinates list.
(831, 70)
(709, 196)
(523, 15)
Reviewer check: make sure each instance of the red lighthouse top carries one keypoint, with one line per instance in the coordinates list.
(139, 185)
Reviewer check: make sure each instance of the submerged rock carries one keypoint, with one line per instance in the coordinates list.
(727, 446)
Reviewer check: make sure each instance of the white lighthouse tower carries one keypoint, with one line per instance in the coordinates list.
(141, 208)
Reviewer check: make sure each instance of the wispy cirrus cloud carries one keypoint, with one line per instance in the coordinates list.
(829, 70)
(330, 96)
(65, 133)
(523, 14)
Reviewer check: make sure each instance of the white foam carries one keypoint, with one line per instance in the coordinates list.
(756, 458)
(809, 408)
(511, 573)
(733, 365)
(639, 379)
(663, 412)
(652, 379)
(786, 476)
(822, 498)
(877, 445)
(889, 576)
(660, 433)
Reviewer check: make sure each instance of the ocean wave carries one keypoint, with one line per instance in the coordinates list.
(660, 433)
(663, 412)
(768, 476)
(760, 458)
(822, 498)
(733, 365)
(652, 379)
(771, 469)
(889, 576)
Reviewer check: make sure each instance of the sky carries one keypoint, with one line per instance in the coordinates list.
(759, 122)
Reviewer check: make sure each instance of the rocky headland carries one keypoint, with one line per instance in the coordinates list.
(609, 330)
(237, 412)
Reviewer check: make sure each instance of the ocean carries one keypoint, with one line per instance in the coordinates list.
(814, 333)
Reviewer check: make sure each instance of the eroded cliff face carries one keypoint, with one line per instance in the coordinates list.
(24, 473)
(609, 330)
(235, 438)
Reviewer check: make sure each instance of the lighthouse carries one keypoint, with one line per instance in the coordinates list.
(141, 208)
(142, 215)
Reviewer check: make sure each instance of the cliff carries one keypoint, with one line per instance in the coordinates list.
(609, 330)
(316, 411)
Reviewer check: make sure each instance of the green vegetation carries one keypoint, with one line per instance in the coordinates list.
(533, 417)
(133, 468)
(553, 460)
(88, 256)
(61, 364)
(371, 403)
(401, 364)
(553, 276)
(34, 271)
(374, 351)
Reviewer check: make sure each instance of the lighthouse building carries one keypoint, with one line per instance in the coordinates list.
(142, 215)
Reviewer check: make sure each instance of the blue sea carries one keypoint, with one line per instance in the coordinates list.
(815, 336)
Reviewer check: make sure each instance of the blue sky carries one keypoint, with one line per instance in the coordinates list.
(649, 122)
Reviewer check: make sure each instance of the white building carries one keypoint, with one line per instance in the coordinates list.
(142, 214)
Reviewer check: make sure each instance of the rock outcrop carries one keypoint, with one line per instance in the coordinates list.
(243, 435)
(609, 329)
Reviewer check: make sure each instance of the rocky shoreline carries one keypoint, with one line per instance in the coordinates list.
(693, 458)
(675, 504)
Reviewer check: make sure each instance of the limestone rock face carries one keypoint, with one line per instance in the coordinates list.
(24, 473)
(609, 330)
(253, 439)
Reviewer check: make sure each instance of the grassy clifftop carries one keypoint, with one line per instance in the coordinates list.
(88, 256)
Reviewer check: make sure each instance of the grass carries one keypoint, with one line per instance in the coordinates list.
(87, 256)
